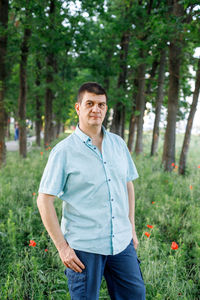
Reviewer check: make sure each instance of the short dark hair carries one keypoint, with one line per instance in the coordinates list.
(90, 87)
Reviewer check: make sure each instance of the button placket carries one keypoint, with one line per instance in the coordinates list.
(111, 200)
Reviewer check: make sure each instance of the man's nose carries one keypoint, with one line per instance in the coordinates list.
(95, 108)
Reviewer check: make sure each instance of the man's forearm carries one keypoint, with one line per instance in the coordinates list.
(50, 219)
(131, 200)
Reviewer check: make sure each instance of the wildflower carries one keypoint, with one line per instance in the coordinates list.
(191, 187)
(32, 243)
(41, 153)
(176, 167)
(34, 194)
(173, 164)
(174, 246)
(199, 166)
(153, 202)
(147, 234)
(49, 148)
(46, 250)
(149, 226)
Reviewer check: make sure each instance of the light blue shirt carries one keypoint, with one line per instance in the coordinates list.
(93, 187)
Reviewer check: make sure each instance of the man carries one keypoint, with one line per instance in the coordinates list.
(92, 172)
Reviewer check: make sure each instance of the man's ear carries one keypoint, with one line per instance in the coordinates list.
(77, 106)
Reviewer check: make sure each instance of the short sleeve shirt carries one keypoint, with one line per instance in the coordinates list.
(93, 187)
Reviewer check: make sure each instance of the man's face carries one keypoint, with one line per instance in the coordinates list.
(91, 110)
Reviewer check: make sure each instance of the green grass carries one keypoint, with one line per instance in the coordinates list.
(31, 273)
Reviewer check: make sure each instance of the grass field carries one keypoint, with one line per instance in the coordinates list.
(168, 202)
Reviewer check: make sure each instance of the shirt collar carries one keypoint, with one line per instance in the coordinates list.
(84, 137)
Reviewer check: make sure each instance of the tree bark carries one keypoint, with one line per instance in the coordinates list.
(8, 128)
(132, 121)
(159, 101)
(186, 142)
(152, 75)
(38, 123)
(118, 122)
(3, 51)
(106, 87)
(23, 94)
(58, 127)
(49, 96)
(173, 93)
(140, 101)
(132, 129)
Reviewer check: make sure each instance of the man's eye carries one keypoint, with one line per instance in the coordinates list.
(89, 103)
(102, 105)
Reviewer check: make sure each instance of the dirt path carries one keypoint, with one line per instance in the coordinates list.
(14, 145)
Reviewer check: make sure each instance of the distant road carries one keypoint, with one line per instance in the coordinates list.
(14, 145)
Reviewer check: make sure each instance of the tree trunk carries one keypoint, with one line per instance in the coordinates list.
(38, 123)
(118, 121)
(132, 121)
(173, 93)
(48, 103)
(132, 128)
(49, 96)
(185, 147)
(23, 94)
(106, 87)
(140, 100)
(152, 75)
(159, 101)
(58, 127)
(3, 50)
(8, 128)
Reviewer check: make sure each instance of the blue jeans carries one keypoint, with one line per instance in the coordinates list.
(121, 271)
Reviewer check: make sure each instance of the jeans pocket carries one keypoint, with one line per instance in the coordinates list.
(139, 262)
(76, 284)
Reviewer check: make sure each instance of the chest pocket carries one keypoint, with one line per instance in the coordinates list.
(118, 164)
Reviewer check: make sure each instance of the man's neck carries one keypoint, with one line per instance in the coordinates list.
(93, 132)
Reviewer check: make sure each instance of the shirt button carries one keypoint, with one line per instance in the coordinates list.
(113, 235)
(112, 199)
(89, 140)
(113, 217)
(104, 162)
(95, 148)
(109, 179)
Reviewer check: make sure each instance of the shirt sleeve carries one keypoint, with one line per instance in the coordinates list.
(54, 176)
(132, 173)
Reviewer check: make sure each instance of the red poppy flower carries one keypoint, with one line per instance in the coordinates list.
(199, 166)
(190, 186)
(176, 167)
(34, 194)
(149, 226)
(173, 164)
(32, 243)
(174, 246)
(147, 234)
(153, 202)
(41, 153)
(46, 250)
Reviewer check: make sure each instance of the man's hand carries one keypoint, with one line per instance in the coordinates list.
(70, 259)
(135, 240)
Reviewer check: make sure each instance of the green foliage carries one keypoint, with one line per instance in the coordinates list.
(85, 43)
(31, 273)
